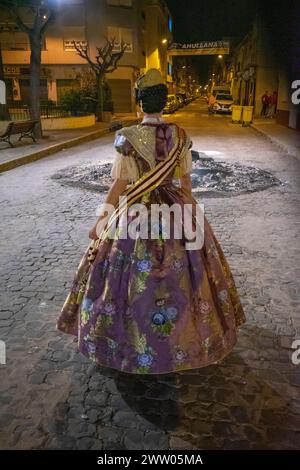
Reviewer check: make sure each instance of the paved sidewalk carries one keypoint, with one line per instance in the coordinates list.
(287, 139)
(54, 141)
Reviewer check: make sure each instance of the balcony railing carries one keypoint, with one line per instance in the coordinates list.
(18, 46)
(21, 112)
(15, 46)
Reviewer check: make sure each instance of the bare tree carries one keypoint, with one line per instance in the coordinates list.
(40, 14)
(106, 62)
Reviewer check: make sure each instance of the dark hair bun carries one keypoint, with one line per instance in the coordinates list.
(153, 98)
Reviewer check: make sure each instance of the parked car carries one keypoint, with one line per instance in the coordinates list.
(222, 104)
(171, 105)
(180, 100)
(184, 97)
(188, 98)
(220, 89)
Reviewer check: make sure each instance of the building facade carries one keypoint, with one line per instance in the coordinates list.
(253, 68)
(87, 22)
(157, 29)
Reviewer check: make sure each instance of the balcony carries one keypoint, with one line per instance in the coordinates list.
(18, 46)
(15, 46)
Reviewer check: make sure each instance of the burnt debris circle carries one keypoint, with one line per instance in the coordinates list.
(210, 178)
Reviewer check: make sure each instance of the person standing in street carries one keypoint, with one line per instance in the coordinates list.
(265, 104)
(211, 102)
(152, 305)
(272, 104)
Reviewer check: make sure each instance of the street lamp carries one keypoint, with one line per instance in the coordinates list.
(220, 56)
(164, 41)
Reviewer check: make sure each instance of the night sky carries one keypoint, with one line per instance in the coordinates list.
(201, 20)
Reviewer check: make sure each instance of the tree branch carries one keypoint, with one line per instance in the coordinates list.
(104, 51)
(50, 19)
(106, 60)
(82, 52)
(14, 12)
(114, 59)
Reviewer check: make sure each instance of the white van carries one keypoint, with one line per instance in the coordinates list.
(222, 90)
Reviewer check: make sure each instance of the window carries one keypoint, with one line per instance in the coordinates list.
(120, 3)
(120, 35)
(75, 33)
(170, 24)
(73, 15)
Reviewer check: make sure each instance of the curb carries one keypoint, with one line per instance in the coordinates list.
(31, 157)
(290, 150)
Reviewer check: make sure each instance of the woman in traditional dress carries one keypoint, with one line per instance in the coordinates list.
(152, 305)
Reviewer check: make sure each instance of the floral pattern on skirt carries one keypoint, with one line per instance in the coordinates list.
(150, 306)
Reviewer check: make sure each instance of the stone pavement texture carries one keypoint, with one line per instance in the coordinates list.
(287, 139)
(53, 398)
(27, 151)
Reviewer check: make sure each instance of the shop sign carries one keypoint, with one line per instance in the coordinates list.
(11, 70)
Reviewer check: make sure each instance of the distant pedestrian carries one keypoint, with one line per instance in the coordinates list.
(265, 104)
(272, 104)
(211, 102)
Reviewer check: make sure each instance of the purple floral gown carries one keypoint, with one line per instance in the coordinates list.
(151, 306)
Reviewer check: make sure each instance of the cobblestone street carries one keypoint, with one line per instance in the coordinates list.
(54, 398)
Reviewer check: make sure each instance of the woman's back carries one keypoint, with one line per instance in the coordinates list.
(151, 303)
